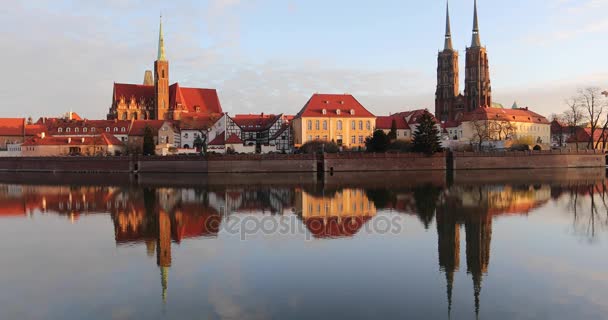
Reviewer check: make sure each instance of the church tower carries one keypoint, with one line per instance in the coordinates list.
(478, 91)
(161, 80)
(447, 76)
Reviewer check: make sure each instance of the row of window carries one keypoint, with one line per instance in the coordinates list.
(353, 125)
(327, 207)
(353, 139)
(85, 130)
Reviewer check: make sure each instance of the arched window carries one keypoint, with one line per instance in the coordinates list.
(368, 125)
(309, 124)
(353, 125)
(339, 124)
(324, 124)
(163, 72)
(60, 130)
(108, 129)
(123, 129)
(360, 125)
(84, 129)
(125, 116)
(67, 130)
(92, 129)
(115, 129)
(134, 115)
(76, 130)
(317, 125)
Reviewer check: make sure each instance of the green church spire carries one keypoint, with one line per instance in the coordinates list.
(161, 42)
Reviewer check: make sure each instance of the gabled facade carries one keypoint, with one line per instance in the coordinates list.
(333, 117)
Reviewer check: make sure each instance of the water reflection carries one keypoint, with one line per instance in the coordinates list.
(158, 217)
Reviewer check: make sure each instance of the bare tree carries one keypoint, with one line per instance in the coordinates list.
(481, 131)
(593, 105)
(502, 130)
(573, 117)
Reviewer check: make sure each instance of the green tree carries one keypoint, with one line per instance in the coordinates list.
(392, 135)
(426, 137)
(149, 146)
(379, 142)
(200, 145)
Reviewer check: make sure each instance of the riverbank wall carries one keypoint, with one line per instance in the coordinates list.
(308, 163)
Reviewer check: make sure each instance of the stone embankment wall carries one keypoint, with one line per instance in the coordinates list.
(355, 162)
(528, 160)
(332, 163)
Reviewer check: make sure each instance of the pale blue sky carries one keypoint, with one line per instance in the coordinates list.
(271, 55)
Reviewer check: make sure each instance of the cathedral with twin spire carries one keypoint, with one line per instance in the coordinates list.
(450, 103)
(155, 99)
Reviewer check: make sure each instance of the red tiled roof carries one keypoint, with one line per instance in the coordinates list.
(413, 116)
(103, 139)
(100, 126)
(220, 140)
(206, 100)
(136, 91)
(255, 122)
(386, 123)
(583, 135)
(139, 126)
(12, 126)
(514, 115)
(198, 122)
(451, 124)
(332, 103)
(234, 139)
(34, 129)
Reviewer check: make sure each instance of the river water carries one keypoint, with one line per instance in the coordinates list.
(486, 244)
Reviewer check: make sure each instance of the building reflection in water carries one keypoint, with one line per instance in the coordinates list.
(336, 214)
(161, 217)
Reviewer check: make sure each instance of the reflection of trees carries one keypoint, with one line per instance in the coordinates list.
(426, 198)
(588, 204)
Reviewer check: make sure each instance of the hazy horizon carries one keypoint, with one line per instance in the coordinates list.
(271, 56)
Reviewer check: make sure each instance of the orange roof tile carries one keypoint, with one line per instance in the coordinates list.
(12, 126)
(331, 103)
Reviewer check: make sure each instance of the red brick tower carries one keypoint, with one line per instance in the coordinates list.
(447, 77)
(478, 91)
(161, 80)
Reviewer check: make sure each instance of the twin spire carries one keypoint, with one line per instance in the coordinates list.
(475, 42)
(161, 42)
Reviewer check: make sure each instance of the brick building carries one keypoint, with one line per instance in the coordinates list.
(159, 100)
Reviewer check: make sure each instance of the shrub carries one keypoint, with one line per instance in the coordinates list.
(378, 142)
(318, 146)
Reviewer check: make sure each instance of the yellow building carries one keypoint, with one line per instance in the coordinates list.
(333, 117)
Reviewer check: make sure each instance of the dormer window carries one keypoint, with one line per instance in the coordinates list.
(115, 129)
(324, 111)
(84, 130)
(341, 102)
(76, 130)
(338, 112)
(108, 129)
(92, 129)
(67, 130)
(123, 129)
(197, 108)
(352, 112)
(60, 130)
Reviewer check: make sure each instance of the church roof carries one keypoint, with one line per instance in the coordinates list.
(12, 126)
(513, 115)
(331, 103)
(190, 99)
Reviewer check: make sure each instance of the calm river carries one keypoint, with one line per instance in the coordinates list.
(496, 245)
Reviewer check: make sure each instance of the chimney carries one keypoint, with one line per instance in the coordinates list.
(69, 140)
